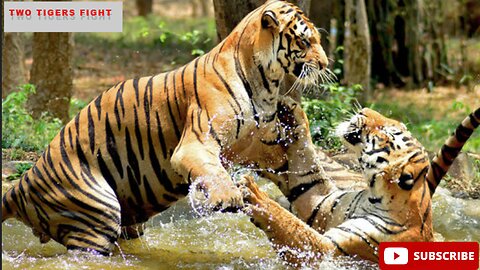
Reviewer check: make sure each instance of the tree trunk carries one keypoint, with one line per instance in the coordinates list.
(357, 46)
(13, 66)
(229, 13)
(204, 5)
(144, 7)
(52, 74)
(321, 13)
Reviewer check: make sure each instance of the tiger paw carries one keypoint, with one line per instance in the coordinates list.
(256, 202)
(251, 191)
(207, 195)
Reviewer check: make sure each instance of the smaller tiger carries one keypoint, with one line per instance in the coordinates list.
(395, 207)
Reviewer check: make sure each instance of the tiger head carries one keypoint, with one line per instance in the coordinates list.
(392, 160)
(287, 42)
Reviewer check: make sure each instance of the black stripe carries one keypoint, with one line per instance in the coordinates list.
(264, 78)
(87, 176)
(425, 215)
(199, 119)
(166, 183)
(138, 133)
(80, 203)
(337, 245)
(169, 198)
(5, 202)
(119, 100)
(241, 75)
(476, 113)
(474, 121)
(423, 191)
(183, 82)
(212, 131)
(175, 93)
(350, 231)
(91, 130)
(232, 94)
(193, 128)
(160, 136)
(301, 189)
(70, 136)
(311, 219)
(47, 190)
(135, 87)
(385, 149)
(98, 105)
(112, 146)
(90, 243)
(64, 154)
(438, 173)
(351, 210)
(174, 122)
(377, 226)
(146, 102)
(132, 157)
(336, 201)
(386, 220)
(463, 133)
(449, 154)
(237, 118)
(151, 198)
(150, 90)
(134, 184)
(195, 89)
(87, 194)
(107, 175)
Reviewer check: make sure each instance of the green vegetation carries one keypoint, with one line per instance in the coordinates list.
(177, 40)
(75, 106)
(21, 167)
(326, 113)
(19, 129)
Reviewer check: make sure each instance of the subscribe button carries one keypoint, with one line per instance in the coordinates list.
(428, 255)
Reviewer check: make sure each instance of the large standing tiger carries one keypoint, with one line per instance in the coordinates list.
(138, 147)
(396, 206)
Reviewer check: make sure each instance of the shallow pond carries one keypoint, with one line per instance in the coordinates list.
(178, 239)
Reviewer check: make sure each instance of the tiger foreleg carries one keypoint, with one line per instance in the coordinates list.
(293, 240)
(303, 163)
(197, 159)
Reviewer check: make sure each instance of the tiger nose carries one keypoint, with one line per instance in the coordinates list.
(323, 60)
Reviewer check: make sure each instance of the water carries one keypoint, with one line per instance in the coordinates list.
(178, 239)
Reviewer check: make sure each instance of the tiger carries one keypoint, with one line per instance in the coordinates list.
(396, 206)
(147, 142)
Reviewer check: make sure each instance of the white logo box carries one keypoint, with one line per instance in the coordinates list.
(63, 16)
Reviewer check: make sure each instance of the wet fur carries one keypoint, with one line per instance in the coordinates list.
(395, 207)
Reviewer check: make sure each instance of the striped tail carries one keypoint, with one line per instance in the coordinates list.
(450, 150)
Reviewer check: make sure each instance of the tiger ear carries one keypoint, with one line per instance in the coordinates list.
(269, 19)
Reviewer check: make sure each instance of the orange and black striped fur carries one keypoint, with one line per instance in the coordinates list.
(138, 147)
(396, 206)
